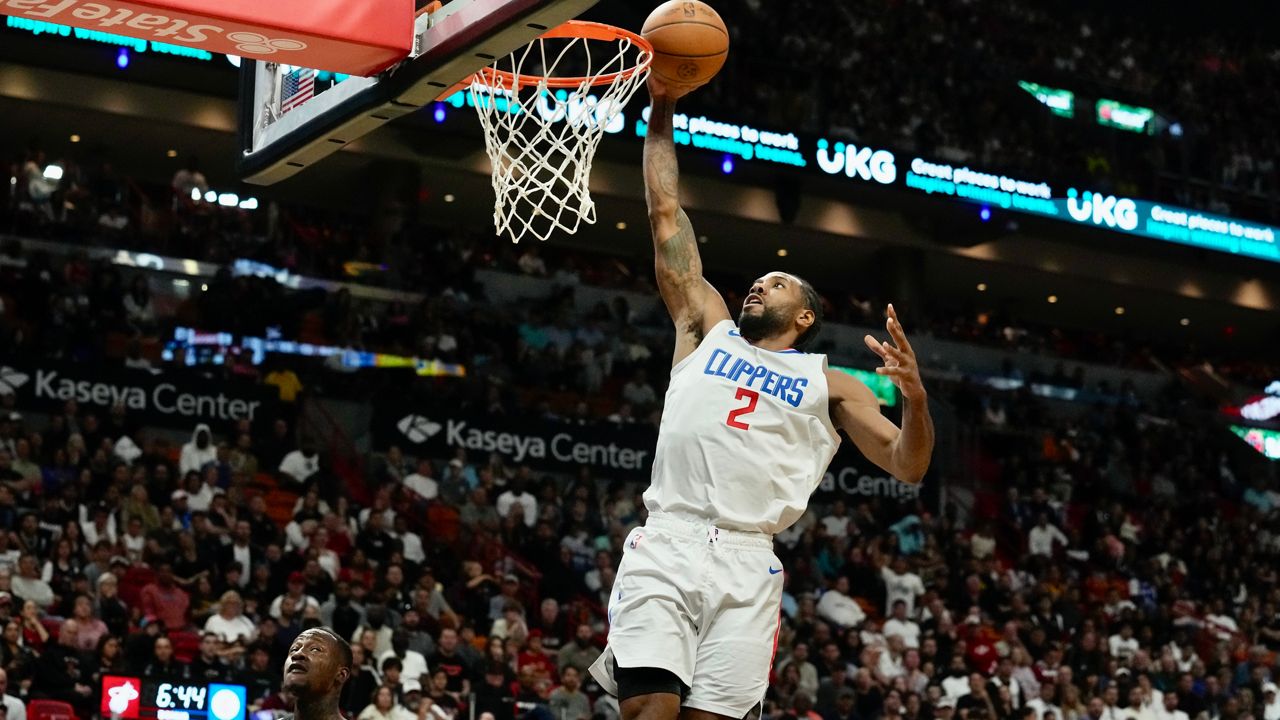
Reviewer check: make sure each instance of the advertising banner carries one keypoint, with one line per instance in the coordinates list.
(360, 38)
(171, 399)
(622, 452)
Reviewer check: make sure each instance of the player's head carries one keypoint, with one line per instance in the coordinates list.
(318, 664)
(779, 304)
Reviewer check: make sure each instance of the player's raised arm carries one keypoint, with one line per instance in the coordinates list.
(694, 305)
(903, 452)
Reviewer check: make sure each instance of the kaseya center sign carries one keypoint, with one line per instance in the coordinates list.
(360, 38)
(176, 398)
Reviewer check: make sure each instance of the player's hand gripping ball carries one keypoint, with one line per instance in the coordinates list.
(690, 44)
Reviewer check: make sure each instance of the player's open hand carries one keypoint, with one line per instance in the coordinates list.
(899, 359)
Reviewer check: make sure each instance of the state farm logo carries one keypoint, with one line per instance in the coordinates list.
(255, 44)
(11, 380)
(190, 29)
(120, 696)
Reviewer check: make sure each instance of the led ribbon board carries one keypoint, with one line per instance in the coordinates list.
(881, 386)
(1266, 442)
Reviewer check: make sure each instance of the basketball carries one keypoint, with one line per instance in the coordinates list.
(690, 42)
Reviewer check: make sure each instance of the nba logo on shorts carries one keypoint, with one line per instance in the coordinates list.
(120, 696)
(635, 540)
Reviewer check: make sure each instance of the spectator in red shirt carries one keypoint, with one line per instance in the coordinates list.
(163, 599)
(535, 657)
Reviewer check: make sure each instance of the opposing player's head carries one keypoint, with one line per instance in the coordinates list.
(318, 664)
(781, 305)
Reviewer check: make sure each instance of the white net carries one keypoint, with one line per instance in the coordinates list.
(541, 140)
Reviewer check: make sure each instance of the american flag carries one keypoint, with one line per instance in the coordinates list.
(299, 86)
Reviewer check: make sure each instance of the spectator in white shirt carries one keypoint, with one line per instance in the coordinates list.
(422, 482)
(1270, 702)
(517, 495)
(902, 626)
(889, 666)
(297, 590)
(14, 708)
(1043, 705)
(901, 584)
(1042, 537)
(835, 606)
(1111, 703)
(1217, 621)
(202, 498)
(1123, 645)
(1140, 705)
(983, 542)
(199, 452)
(301, 464)
(837, 523)
(409, 541)
(413, 665)
(1168, 710)
(234, 630)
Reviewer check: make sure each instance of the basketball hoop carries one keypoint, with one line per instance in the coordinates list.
(542, 122)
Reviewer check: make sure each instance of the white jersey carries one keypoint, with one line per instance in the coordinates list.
(746, 435)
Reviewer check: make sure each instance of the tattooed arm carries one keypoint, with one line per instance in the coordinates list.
(694, 305)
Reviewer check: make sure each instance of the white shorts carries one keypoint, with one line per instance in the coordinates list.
(698, 601)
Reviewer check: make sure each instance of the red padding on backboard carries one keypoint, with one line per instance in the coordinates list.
(359, 37)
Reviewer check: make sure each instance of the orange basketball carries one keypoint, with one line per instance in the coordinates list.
(690, 42)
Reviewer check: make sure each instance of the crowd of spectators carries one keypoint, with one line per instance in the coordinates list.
(1088, 581)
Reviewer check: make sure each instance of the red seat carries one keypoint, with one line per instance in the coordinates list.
(186, 645)
(135, 578)
(50, 710)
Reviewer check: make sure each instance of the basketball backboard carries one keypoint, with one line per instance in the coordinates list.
(290, 118)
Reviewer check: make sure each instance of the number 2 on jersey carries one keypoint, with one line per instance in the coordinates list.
(752, 397)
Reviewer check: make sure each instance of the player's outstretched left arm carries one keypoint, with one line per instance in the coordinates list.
(902, 452)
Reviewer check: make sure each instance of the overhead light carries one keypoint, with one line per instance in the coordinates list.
(621, 225)
(229, 200)
(75, 138)
(211, 196)
(195, 194)
(449, 197)
(782, 252)
(1119, 309)
(1052, 299)
(53, 172)
(249, 204)
(982, 287)
(204, 287)
(172, 154)
(702, 239)
(1184, 322)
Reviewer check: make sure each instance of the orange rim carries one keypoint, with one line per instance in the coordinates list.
(576, 29)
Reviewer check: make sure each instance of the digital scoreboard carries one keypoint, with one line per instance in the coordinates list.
(131, 698)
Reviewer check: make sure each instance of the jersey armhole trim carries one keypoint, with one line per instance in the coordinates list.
(717, 328)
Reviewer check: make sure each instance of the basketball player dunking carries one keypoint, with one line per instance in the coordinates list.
(747, 432)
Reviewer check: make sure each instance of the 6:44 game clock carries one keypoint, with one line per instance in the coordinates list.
(131, 698)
